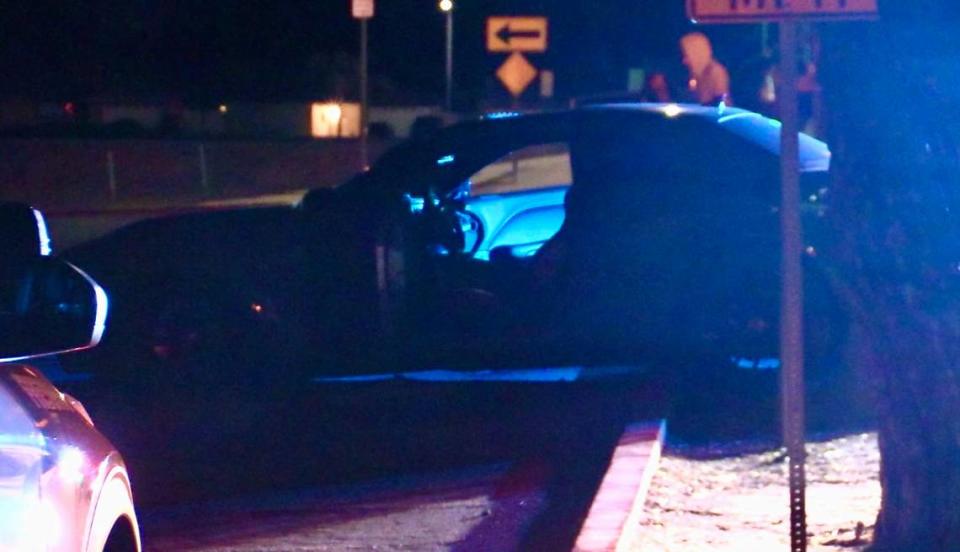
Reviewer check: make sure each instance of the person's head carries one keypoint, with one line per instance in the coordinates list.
(697, 52)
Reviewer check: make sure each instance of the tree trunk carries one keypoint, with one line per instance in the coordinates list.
(895, 256)
(919, 435)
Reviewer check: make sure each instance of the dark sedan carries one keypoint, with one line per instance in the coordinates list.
(621, 232)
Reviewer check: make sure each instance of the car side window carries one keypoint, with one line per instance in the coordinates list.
(532, 167)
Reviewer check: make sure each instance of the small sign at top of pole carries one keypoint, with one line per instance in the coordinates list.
(362, 9)
(751, 11)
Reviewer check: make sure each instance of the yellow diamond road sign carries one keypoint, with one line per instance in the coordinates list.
(742, 11)
(516, 74)
(517, 34)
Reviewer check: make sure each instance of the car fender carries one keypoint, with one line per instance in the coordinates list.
(113, 502)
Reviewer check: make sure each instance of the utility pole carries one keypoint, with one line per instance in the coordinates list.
(363, 10)
(446, 6)
(364, 99)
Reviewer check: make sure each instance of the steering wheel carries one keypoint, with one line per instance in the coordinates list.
(448, 224)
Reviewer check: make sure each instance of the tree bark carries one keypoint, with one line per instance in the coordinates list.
(896, 260)
(918, 434)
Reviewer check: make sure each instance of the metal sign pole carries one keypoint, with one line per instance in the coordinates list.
(449, 62)
(791, 308)
(364, 100)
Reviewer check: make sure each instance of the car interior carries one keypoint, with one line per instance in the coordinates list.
(519, 219)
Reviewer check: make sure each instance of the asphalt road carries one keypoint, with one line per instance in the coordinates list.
(439, 511)
(421, 463)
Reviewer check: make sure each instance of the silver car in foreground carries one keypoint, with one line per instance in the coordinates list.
(63, 486)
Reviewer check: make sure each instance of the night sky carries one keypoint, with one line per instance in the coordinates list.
(296, 49)
(224, 50)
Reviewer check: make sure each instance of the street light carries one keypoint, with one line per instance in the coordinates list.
(446, 6)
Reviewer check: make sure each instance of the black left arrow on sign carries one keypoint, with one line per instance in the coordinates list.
(506, 34)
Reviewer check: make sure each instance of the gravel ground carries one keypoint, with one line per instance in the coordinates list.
(730, 497)
(720, 498)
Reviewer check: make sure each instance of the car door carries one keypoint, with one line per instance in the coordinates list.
(669, 251)
(505, 181)
(24, 522)
(517, 200)
(501, 171)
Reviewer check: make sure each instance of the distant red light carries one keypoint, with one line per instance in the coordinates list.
(70, 109)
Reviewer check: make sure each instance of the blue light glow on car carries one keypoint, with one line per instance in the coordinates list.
(734, 116)
(415, 204)
(523, 222)
(768, 364)
(567, 374)
(765, 132)
(756, 364)
(357, 379)
(540, 375)
(536, 375)
(501, 115)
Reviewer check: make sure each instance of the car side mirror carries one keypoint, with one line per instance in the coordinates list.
(47, 305)
(23, 231)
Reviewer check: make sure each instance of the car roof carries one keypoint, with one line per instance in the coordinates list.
(763, 131)
(507, 128)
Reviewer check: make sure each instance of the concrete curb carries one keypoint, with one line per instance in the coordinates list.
(613, 520)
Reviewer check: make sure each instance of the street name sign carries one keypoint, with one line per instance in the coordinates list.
(752, 11)
(362, 9)
(517, 34)
(517, 74)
